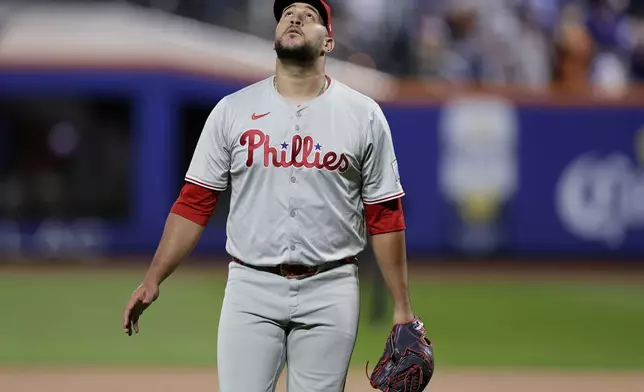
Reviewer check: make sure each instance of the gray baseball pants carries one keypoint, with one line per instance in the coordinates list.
(268, 321)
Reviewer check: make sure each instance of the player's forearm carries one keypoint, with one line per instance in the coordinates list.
(390, 252)
(179, 238)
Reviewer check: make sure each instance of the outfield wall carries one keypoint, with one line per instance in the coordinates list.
(483, 173)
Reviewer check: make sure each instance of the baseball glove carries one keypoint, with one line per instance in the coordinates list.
(407, 364)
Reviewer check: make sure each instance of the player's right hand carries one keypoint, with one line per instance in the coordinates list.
(140, 300)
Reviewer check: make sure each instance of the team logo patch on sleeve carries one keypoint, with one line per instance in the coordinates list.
(394, 166)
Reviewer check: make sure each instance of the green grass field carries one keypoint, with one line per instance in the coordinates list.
(75, 319)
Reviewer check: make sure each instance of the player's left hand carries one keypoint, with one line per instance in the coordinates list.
(407, 364)
(140, 300)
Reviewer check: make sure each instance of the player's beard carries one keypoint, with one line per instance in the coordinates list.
(305, 53)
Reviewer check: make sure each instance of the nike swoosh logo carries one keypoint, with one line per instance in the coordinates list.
(258, 116)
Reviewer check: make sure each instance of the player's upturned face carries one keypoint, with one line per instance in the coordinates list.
(301, 35)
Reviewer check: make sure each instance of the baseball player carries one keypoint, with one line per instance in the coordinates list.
(312, 169)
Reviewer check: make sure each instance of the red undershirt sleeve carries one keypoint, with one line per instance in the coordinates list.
(196, 203)
(385, 217)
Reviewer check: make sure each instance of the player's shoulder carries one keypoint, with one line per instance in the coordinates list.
(246, 94)
(349, 97)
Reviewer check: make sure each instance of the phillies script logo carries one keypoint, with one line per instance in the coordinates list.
(303, 152)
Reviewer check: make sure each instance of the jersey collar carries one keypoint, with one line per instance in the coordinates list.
(291, 105)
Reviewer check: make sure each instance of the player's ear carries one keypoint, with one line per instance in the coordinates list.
(329, 45)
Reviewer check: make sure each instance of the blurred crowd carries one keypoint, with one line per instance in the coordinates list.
(527, 42)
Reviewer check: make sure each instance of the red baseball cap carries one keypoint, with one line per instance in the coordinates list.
(320, 5)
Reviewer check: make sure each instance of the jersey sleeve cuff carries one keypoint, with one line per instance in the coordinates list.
(205, 185)
(383, 199)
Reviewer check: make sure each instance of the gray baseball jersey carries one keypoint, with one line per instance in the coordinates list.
(299, 174)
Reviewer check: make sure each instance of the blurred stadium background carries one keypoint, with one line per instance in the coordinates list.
(519, 128)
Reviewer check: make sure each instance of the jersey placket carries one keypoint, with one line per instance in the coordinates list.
(294, 195)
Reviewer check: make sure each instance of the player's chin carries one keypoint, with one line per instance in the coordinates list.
(292, 41)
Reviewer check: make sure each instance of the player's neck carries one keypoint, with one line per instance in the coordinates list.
(300, 83)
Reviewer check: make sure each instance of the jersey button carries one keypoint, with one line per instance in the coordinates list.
(293, 213)
(297, 128)
(298, 114)
(292, 247)
(293, 180)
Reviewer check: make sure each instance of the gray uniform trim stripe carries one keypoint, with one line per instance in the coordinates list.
(204, 184)
(386, 198)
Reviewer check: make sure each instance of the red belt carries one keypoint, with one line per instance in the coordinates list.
(299, 271)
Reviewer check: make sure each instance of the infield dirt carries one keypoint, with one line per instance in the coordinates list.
(165, 380)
